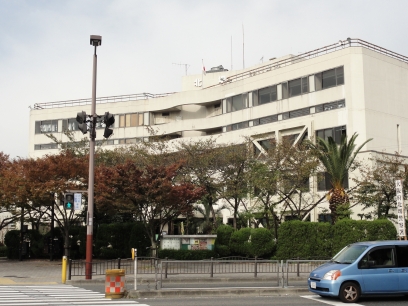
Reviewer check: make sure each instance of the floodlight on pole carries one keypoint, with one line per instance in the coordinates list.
(95, 40)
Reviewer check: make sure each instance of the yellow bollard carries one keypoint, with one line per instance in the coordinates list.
(64, 269)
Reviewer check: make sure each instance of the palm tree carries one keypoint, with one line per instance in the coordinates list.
(337, 160)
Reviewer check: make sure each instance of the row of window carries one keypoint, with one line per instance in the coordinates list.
(287, 115)
(323, 80)
(51, 126)
(299, 86)
(50, 146)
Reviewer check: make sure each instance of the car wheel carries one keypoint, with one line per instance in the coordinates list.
(349, 292)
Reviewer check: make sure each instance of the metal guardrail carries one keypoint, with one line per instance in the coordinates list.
(100, 100)
(145, 265)
(166, 267)
(301, 267)
(349, 42)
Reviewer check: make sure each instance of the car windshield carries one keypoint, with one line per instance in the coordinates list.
(349, 254)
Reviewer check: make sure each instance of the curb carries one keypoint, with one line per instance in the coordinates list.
(224, 292)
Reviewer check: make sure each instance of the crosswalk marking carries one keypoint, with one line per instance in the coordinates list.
(53, 295)
(326, 301)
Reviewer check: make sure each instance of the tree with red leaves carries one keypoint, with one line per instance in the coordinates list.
(154, 194)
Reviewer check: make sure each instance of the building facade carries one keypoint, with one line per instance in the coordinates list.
(349, 87)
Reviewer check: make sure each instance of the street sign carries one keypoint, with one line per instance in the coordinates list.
(77, 201)
(400, 208)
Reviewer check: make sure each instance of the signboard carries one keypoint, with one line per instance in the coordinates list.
(400, 208)
(77, 201)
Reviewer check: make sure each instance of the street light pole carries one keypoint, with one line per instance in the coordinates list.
(95, 41)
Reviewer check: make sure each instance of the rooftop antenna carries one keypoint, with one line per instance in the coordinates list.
(243, 48)
(231, 52)
(185, 65)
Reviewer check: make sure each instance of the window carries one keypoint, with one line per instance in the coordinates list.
(285, 92)
(265, 120)
(336, 133)
(329, 78)
(324, 218)
(330, 106)
(132, 120)
(266, 95)
(299, 112)
(238, 126)
(305, 85)
(47, 126)
(236, 103)
(324, 181)
(130, 140)
(48, 146)
(379, 257)
(69, 124)
(266, 144)
(402, 255)
(295, 87)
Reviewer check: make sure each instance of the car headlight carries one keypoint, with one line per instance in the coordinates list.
(332, 275)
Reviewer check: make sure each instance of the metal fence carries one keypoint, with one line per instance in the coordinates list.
(145, 265)
(282, 271)
(300, 267)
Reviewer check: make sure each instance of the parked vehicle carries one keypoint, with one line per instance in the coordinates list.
(363, 268)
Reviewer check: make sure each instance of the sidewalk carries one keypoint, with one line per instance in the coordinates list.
(45, 272)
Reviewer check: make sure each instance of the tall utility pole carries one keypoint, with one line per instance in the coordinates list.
(95, 41)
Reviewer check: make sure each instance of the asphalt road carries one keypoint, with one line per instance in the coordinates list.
(311, 300)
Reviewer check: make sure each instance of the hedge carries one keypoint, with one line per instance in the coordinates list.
(221, 244)
(239, 242)
(116, 240)
(310, 240)
(3, 251)
(261, 243)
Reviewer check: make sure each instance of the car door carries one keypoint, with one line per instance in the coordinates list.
(402, 264)
(379, 271)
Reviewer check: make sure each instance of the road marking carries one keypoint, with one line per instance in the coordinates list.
(328, 301)
(56, 296)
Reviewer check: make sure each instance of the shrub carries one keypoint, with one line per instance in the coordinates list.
(313, 240)
(221, 244)
(113, 236)
(3, 251)
(294, 240)
(12, 241)
(239, 242)
(261, 242)
(139, 239)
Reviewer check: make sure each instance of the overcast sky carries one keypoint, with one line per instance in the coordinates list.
(45, 54)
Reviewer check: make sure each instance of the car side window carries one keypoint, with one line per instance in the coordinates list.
(378, 258)
(402, 256)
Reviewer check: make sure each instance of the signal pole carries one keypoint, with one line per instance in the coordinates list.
(95, 41)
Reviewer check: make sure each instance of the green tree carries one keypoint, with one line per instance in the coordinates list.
(338, 161)
(376, 185)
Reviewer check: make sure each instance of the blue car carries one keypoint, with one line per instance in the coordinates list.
(363, 268)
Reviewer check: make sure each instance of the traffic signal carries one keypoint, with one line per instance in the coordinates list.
(69, 201)
(108, 119)
(81, 119)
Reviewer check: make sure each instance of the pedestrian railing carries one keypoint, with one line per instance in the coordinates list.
(299, 267)
(282, 271)
(146, 265)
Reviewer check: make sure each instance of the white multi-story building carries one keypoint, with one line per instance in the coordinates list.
(351, 86)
